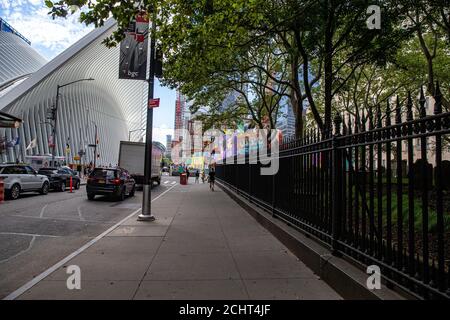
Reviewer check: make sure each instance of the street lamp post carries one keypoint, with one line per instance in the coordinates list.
(146, 214)
(95, 144)
(55, 114)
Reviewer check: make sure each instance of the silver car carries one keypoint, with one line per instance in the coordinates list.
(22, 178)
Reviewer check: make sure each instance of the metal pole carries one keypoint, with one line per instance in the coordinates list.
(146, 214)
(95, 148)
(129, 135)
(54, 126)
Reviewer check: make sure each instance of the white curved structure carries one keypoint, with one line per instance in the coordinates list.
(18, 59)
(115, 106)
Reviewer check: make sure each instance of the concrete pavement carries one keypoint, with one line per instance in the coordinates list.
(202, 246)
(37, 231)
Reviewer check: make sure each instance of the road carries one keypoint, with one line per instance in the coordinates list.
(37, 231)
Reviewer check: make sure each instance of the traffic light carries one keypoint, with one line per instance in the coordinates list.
(158, 63)
(51, 113)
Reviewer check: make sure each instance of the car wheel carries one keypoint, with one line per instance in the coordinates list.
(62, 186)
(44, 189)
(91, 196)
(121, 196)
(77, 185)
(14, 192)
(133, 191)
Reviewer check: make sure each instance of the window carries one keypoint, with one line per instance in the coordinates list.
(47, 171)
(30, 170)
(19, 170)
(104, 173)
(8, 170)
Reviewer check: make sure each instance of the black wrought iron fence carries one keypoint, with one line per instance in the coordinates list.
(376, 190)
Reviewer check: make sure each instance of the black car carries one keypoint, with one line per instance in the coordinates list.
(60, 178)
(116, 183)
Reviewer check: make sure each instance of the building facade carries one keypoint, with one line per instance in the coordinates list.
(107, 105)
(286, 121)
(168, 145)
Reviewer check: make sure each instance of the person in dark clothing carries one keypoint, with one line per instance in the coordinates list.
(187, 174)
(212, 176)
(197, 176)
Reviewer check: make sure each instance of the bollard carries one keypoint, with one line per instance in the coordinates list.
(2, 190)
(71, 185)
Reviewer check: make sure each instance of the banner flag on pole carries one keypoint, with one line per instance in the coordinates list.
(134, 50)
(14, 142)
(32, 144)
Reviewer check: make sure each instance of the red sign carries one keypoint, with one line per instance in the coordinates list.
(153, 103)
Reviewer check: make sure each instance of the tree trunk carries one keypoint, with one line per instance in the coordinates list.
(429, 58)
(328, 69)
(297, 107)
(296, 101)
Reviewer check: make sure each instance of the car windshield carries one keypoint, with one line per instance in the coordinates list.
(104, 173)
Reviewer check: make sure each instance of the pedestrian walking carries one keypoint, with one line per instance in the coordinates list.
(203, 176)
(197, 176)
(187, 174)
(212, 177)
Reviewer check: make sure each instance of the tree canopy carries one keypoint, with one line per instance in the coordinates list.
(320, 55)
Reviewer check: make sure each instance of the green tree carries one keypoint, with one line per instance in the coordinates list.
(204, 40)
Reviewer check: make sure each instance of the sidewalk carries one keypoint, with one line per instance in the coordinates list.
(202, 246)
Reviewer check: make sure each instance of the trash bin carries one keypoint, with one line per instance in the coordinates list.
(183, 179)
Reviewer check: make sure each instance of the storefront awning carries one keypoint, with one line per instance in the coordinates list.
(9, 121)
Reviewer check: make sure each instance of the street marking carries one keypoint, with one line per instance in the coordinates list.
(166, 182)
(79, 214)
(46, 273)
(30, 245)
(29, 234)
(173, 182)
(43, 210)
(58, 219)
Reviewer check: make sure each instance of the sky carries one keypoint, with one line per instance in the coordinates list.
(50, 37)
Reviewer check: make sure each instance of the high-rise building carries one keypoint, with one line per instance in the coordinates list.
(180, 106)
(286, 121)
(168, 145)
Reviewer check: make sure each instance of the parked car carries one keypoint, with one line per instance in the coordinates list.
(22, 178)
(116, 183)
(60, 178)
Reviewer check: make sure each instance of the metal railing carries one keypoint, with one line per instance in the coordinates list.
(376, 190)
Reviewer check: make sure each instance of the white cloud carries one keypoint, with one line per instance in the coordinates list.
(159, 133)
(49, 37)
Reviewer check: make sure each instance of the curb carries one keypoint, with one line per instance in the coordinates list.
(344, 277)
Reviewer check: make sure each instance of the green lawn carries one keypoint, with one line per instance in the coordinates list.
(432, 216)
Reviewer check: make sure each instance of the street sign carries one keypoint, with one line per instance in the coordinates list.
(153, 103)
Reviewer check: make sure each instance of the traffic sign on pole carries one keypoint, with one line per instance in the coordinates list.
(153, 103)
